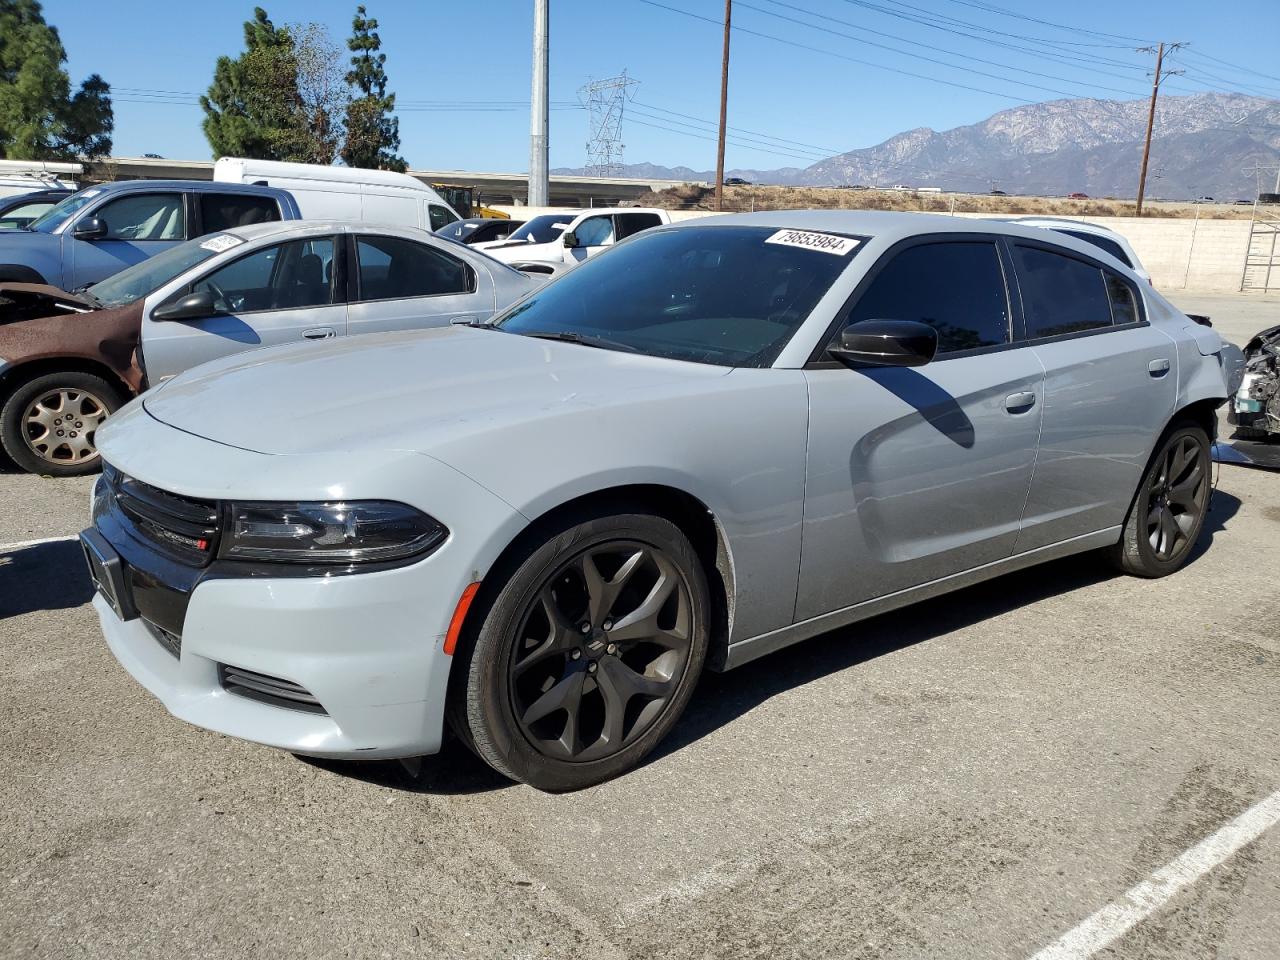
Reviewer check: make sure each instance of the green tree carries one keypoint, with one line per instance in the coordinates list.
(39, 117)
(373, 132)
(253, 108)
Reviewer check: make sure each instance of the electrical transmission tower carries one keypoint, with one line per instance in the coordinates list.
(605, 101)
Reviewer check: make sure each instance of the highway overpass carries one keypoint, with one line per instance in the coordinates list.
(489, 187)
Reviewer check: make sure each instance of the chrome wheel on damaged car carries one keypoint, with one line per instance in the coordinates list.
(589, 653)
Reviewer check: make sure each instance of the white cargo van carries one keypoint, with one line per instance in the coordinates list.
(344, 193)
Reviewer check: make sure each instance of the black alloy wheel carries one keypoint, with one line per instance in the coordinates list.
(601, 651)
(1170, 506)
(1176, 498)
(581, 653)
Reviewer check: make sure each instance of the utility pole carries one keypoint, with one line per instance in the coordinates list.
(1151, 115)
(538, 187)
(724, 104)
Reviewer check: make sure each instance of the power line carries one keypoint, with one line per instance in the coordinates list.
(841, 56)
(992, 8)
(826, 151)
(954, 53)
(927, 18)
(1191, 51)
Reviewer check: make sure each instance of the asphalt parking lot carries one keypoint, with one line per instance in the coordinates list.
(972, 777)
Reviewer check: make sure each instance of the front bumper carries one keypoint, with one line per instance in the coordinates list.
(363, 645)
(368, 646)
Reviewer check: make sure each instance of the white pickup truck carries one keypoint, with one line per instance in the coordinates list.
(569, 238)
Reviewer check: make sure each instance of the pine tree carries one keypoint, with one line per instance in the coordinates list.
(373, 132)
(253, 108)
(39, 117)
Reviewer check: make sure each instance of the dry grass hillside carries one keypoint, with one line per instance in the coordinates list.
(739, 199)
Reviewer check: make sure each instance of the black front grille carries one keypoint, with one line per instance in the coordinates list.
(268, 689)
(184, 527)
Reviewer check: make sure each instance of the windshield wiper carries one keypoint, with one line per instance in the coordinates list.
(586, 340)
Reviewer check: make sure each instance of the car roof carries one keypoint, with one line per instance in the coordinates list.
(307, 228)
(194, 186)
(891, 226)
(881, 224)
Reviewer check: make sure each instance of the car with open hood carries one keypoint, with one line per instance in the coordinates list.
(70, 359)
(715, 440)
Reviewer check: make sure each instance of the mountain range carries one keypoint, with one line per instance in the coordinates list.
(1202, 145)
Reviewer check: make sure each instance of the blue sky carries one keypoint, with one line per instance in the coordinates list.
(461, 71)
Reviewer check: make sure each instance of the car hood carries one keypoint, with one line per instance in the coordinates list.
(414, 391)
(28, 301)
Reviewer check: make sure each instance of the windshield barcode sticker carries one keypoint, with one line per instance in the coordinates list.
(223, 241)
(824, 242)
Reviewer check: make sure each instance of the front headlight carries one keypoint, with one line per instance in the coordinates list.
(367, 531)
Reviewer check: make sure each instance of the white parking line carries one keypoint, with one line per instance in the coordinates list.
(6, 547)
(1139, 902)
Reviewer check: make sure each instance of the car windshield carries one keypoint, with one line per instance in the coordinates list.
(731, 296)
(542, 229)
(52, 219)
(151, 274)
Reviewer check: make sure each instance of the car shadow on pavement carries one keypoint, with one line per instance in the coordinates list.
(454, 770)
(723, 697)
(44, 576)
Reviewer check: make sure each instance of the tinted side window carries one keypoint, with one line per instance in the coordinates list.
(221, 211)
(1059, 293)
(955, 287)
(283, 277)
(629, 223)
(1104, 243)
(1124, 305)
(149, 216)
(392, 268)
(439, 216)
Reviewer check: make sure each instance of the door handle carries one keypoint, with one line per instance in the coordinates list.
(1158, 368)
(1020, 402)
(320, 333)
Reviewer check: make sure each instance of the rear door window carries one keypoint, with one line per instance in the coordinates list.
(956, 287)
(629, 223)
(1060, 294)
(391, 268)
(1124, 302)
(221, 211)
(146, 216)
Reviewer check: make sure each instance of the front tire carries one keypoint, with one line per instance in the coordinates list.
(588, 654)
(1169, 507)
(48, 424)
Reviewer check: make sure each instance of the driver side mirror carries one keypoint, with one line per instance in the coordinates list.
(570, 239)
(90, 228)
(194, 306)
(886, 343)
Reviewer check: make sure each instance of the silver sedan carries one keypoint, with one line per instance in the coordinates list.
(715, 440)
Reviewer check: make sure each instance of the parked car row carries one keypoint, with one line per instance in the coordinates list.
(70, 359)
(714, 440)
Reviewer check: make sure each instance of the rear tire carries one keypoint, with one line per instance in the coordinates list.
(1169, 507)
(48, 424)
(559, 707)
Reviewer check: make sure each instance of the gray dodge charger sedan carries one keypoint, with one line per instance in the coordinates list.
(715, 440)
